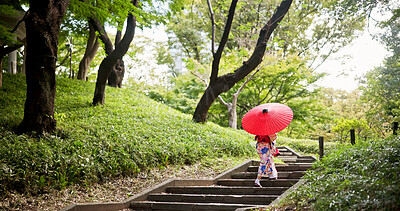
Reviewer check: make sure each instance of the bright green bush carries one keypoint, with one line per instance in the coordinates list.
(129, 134)
(360, 177)
(307, 146)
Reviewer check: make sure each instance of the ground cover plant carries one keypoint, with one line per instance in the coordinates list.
(360, 177)
(308, 146)
(126, 136)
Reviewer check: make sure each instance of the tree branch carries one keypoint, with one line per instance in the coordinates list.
(199, 77)
(222, 101)
(224, 40)
(103, 34)
(212, 27)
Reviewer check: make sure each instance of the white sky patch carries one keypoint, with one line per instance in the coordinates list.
(352, 62)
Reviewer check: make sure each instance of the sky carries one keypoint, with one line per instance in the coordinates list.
(351, 62)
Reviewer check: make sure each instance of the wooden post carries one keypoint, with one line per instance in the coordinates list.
(321, 147)
(395, 127)
(352, 136)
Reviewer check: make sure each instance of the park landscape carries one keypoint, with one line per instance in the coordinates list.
(86, 117)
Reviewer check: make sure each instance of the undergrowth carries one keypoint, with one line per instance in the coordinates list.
(360, 177)
(129, 134)
(308, 146)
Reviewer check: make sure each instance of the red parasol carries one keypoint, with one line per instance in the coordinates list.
(267, 119)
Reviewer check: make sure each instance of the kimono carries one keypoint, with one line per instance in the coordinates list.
(266, 150)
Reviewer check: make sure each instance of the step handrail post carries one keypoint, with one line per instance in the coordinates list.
(321, 147)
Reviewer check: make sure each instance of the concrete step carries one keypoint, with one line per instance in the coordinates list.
(281, 175)
(264, 182)
(226, 190)
(292, 159)
(282, 154)
(152, 205)
(211, 198)
(282, 168)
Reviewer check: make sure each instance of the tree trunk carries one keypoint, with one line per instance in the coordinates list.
(90, 52)
(12, 62)
(1, 72)
(220, 84)
(112, 58)
(4, 50)
(232, 112)
(42, 30)
(117, 74)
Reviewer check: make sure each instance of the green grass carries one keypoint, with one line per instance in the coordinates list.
(365, 176)
(129, 134)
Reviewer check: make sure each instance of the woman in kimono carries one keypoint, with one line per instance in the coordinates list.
(266, 150)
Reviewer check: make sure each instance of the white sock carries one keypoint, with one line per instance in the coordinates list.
(257, 181)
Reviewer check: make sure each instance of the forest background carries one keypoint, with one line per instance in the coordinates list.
(176, 72)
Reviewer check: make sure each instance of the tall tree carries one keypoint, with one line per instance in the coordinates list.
(114, 56)
(90, 52)
(42, 30)
(220, 84)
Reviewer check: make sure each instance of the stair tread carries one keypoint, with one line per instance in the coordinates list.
(226, 190)
(281, 174)
(213, 198)
(213, 195)
(153, 205)
(264, 182)
(262, 179)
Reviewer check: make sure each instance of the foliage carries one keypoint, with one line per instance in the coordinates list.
(344, 125)
(314, 29)
(307, 146)
(131, 133)
(280, 79)
(6, 37)
(78, 46)
(183, 96)
(360, 177)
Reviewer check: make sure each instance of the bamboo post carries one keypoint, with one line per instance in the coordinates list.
(321, 147)
(352, 136)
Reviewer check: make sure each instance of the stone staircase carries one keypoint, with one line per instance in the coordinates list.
(230, 191)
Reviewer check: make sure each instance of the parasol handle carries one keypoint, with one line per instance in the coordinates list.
(265, 110)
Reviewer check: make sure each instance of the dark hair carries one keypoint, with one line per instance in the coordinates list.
(264, 138)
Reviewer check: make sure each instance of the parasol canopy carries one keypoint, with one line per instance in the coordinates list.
(267, 119)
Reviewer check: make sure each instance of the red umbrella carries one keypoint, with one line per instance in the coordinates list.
(267, 119)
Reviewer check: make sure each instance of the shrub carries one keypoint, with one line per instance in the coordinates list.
(360, 177)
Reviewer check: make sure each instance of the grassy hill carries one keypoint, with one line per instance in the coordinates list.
(129, 134)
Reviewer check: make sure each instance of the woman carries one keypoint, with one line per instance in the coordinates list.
(266, 149)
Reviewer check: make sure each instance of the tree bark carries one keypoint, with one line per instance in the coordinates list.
(232, 106)
(117, 73)
(113, 56)
(1, 72)
(220, 84)
(42, 30)
(91, 49)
